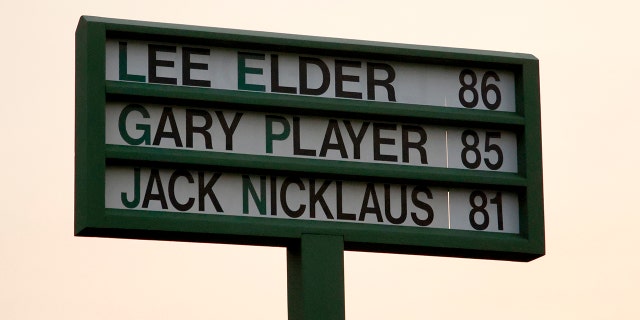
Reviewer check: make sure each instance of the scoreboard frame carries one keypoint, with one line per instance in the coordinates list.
(93, 155)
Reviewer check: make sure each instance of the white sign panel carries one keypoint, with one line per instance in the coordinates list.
(310, 75)
(293, 197)
(258, 133)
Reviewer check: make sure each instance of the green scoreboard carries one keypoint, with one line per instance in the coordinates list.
(213, 135)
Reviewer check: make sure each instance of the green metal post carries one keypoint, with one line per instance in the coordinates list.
(315, 278)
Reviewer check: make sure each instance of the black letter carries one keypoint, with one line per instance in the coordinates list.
(377, 141)
(201, 130)
(167, 114)
(415, 145)
(372, 82)
(172, 188)
(350, 78)
(340, 214)
(187, 65)
(154, 178)
(154, 63)
(326, 143)
(204, 190)
(318, 197)
(356, 139)
(274, 196)
(275, 78)
(302, 66)
(229, 130)
(283, 197)
(422, 205)
(370, 192)
(296, 140)
(387, 206)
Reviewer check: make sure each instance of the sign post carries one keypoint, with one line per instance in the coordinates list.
(318, 145)
(315, 278)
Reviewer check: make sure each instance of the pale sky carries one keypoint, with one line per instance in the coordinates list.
(589, 69)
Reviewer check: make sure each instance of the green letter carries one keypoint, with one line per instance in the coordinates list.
(243, 70)
(145, 128)
(269, 128)
(136, 191)
(123, 66)
(261, 202)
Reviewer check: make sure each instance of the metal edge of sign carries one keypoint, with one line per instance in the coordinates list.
(282, 40)
(91, 152)
(308, 104)
(89, 142)
(172, 158)
(532, 139)
(173, 226)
